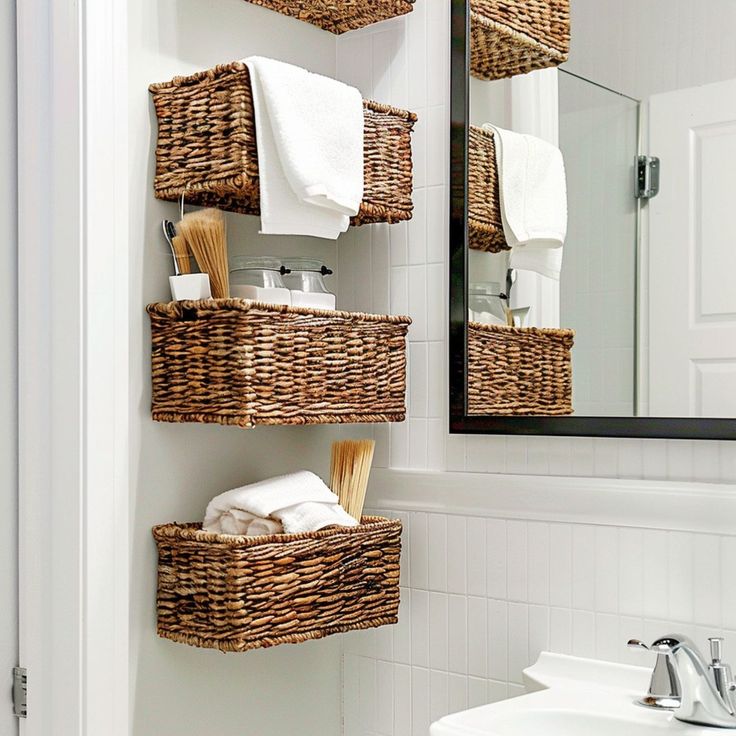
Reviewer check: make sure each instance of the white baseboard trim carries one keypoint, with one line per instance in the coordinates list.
(695, 507)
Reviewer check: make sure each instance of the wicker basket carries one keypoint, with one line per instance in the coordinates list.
(230, 361)
(485, 227)
(339, 16)
(511, 37)
(519, 370)
(207, 147)
(239, 593)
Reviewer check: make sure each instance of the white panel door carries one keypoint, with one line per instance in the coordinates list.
(692, 253)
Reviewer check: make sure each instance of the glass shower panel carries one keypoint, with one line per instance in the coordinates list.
(599, 138)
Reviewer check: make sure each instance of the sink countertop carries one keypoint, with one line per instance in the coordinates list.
(571, 696)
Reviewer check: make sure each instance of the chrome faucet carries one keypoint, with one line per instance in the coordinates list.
(707, 691)
(664, 687)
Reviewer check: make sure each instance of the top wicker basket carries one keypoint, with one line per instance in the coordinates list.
(206, 147)
(339, 16)
(510, 37)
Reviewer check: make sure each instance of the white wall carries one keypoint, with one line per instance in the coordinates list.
(8, 361)
(176, 469)
(642, 48)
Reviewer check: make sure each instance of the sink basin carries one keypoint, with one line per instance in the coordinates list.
(570, 696)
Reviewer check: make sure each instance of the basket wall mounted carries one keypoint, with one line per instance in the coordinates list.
(240, 593)
(485, 226)
(514, 371)
(510, 37)
(339, 16)
(206, 147)
(235, 362)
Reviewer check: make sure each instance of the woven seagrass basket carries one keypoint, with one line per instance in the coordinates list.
(519, 370)
(231, 361)
(237, 593)
(206, 147)
(485, 227)
(511, 37)
(339, 16)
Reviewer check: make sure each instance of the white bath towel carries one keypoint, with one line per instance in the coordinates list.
(309, 131)
(298, 502)
(240, 522)
(533, 198)
(311, 517)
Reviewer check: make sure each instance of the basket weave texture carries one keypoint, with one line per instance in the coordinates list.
(485, 226)
(511, 37)
(339, 16)
(239, 593)
(232, 361)
(519, 370)
(206, 147)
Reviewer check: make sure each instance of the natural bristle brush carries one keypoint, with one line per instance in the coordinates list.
(206, 236)
(349, 473)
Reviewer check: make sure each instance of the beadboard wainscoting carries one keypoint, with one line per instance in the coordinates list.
(496, 569)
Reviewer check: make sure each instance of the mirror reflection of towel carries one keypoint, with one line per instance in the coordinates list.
(533, 198)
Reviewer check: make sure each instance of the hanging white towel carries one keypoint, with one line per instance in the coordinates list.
(298, 502)
(533, 198)
(309, 131)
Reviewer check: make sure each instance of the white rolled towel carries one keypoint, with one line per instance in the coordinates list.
(294, 503)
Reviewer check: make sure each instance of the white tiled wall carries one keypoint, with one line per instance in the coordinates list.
(404, 268)
(482, 597)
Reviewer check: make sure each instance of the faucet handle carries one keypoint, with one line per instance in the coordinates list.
(664, 687)
(721, 672)
(716, 649)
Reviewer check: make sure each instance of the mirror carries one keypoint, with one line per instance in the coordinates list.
(593, 249)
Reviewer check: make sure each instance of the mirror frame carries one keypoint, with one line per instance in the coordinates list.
(460, 421)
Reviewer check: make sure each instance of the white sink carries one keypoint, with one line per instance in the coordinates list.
(569, 696)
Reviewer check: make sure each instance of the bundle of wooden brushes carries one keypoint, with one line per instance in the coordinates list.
(202, 234)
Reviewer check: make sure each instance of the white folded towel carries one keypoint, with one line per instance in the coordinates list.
(294, 503)
(309, 131)
(311, 517)
(236, 521)
(533, 198)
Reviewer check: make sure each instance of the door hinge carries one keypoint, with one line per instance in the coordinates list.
(647, 177)
(20, 692)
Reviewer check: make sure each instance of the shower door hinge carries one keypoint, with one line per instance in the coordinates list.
(20, 692)
(647, 177)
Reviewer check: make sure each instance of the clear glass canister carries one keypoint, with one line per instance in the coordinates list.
(258, 278)
(486, 303)
(305, 278)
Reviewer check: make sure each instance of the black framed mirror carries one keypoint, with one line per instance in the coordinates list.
(625, 326)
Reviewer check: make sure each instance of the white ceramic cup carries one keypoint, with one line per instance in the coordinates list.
(190, 286)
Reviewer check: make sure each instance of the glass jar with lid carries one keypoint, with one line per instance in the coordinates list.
(258, 278)
(305, 278)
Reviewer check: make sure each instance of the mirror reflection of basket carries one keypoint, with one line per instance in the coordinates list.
(485, 227)
(510, 37)
(514, 371)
